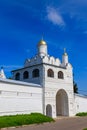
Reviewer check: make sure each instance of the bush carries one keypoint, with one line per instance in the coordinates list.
(81, 114)
(24, 119)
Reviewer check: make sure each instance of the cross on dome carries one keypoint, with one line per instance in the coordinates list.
(65, 52)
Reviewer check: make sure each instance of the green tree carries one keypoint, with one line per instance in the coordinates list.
(9, 77)
(75, 87)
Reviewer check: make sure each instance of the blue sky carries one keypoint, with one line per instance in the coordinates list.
(63, 23)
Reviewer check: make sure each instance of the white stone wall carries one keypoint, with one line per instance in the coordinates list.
(19, 97)
(42, 50)
(51, 90)
(53, 85)
(80, 103)
(33, 61)
(51, 60)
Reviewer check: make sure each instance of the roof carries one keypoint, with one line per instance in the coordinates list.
(19, 82)
(39, 64)
(81, 95)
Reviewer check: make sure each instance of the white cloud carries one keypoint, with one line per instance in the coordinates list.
(55, 17)
(85, 32)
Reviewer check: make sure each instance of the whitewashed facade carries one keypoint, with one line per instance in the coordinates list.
(44, 84)
(18, 97)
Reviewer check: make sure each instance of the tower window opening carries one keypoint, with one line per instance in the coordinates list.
(60, 75)
(25, 75)
(17, 76)
(50, 73)
(35, 73)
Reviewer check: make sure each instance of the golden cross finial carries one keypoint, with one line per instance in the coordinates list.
(42, 38)
(64, 50)
(65, 53)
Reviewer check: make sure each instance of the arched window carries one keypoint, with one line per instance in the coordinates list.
(25, 75)
(17, 76)
(50, 73)
(35, 73)
(60, 75)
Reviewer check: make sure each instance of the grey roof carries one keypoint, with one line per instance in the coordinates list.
(81, 95)
(19, 82)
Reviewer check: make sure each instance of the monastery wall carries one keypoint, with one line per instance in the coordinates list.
(19, 97)
(80, 103)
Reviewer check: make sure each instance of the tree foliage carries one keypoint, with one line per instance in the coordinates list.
(75, 87)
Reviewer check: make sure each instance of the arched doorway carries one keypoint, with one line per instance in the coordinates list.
(49, 110)
(62, 108)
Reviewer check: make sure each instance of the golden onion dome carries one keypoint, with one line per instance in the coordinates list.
(42, 42)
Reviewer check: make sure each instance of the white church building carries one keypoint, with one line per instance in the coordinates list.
(44, 85)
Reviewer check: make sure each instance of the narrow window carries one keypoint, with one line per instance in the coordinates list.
(60, 75)
(35, 73)
(17, 76)
(50, 73)
(25, 75)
